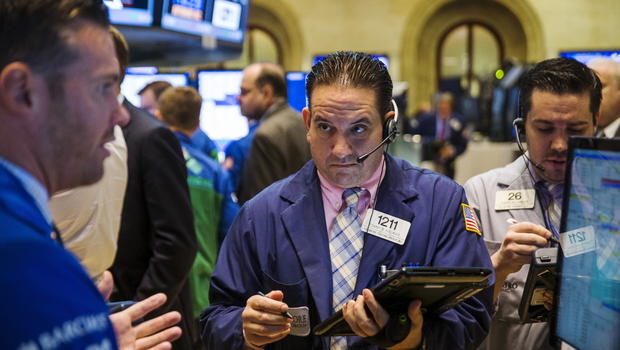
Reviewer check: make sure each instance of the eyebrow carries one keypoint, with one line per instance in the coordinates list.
(360, 120)
(546, 122)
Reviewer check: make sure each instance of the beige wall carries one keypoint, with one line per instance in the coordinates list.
(408, 30)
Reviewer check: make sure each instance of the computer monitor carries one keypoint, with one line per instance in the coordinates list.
(228, 19)
(296, 87)
(223, 20)
(220, 116)
(185, 16)
(587, 315)
(586, 56)
(130, 12)
(137, 78)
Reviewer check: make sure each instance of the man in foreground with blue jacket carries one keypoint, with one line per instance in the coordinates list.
(302, 242)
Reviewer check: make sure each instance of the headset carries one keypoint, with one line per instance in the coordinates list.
(390, 131)
(519, 125)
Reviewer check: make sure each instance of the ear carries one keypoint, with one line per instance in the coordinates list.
(267, 91)
(17, 86)
(388, 115)
(305, 113)
(158, 115)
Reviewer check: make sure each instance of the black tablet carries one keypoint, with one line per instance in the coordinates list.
(439, 289)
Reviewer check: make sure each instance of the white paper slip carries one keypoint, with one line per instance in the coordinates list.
(515, 199)
(300, 326)
(386, 226)
(579, 241)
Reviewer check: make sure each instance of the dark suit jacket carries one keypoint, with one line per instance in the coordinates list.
(427, 127)
(156, 243)
(279, 149)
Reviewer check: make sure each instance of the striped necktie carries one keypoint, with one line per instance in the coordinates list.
(345, 250)
(551, 195)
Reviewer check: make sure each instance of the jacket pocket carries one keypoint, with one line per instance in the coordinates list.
(295, 294)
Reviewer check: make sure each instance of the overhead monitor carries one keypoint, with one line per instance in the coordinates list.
(296, 86)
(186, 16)
(224, 20)
(130, 12)
(137, 78)
(586, 56)
(382, 58)
(220, 117)
(588, 295)
(228, 19)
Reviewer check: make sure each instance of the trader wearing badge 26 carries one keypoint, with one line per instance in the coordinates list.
(302, 243)
(519, 205)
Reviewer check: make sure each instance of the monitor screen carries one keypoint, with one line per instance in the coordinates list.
(382, 58)
(586, 56)
(220, 117)
(228, 19)
(134, 82)
(588, 296)
(130, 12)
(296, 86)
(221, 19)
(186, 16)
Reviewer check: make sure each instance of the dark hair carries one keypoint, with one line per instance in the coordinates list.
(180, 107)
(122, 51)
(158, 87)
(353, 69)
(272, 74)
(560, 76)
(35, 32)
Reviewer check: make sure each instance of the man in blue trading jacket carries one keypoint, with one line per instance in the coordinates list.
(302, 245)
(58, 108)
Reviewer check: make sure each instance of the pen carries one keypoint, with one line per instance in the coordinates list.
(285, 313)
(552, 239)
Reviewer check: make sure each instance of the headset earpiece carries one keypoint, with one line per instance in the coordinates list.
(390, 127)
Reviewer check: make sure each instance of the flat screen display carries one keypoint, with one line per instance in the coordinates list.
(222, 19)
(588, 298)
(228, 19)
(134, 82)
(130, 12)
(220, 117)
(296, 86)
(186, 16)
(586, 56)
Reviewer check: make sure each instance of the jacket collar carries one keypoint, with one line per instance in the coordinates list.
(310, 236)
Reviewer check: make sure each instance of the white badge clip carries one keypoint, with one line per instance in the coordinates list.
(579, 241)
(515, 199)
(300, 327)
(386, 226)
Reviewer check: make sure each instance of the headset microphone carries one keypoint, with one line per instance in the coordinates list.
(390, 131)
(515, 125)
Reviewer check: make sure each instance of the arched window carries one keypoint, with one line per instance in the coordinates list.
(259, 46)
(467, 52)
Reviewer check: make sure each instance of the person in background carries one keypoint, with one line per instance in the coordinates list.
(237, 152)
(301, 243)
(444, 134)
(279, 147)
(608, 72)
(150, 93)
(559, 98)
(209, 187)
(58, 108)
(156, 241)
(149, 96)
